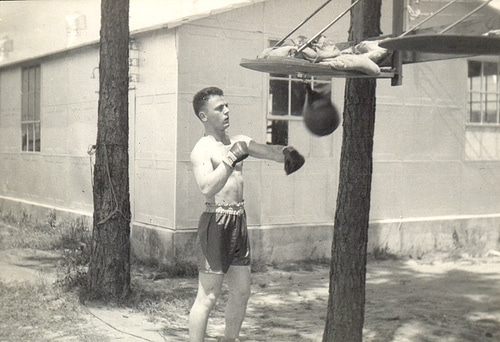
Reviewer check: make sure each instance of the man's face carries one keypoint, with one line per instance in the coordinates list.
(216, 113)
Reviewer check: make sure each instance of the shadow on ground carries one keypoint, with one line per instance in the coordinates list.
(406, 301)
(412, 301)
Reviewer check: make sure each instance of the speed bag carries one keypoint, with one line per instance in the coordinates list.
(320, 115)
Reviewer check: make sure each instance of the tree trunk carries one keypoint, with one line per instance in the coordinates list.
(109, 271)
(346, 303)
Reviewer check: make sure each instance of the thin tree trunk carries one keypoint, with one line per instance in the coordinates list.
(346, 303)
(109, 271)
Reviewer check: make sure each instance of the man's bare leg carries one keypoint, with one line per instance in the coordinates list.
(238, 282)
(209, 289)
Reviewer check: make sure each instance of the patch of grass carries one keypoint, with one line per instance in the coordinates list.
(168, 299)
(73, 270)
(259, 266)
(381, 254)
(304, 265)
(72, 238)
(75, 242)
(26, 233)
(33, 236)
(40, 312)
(163, 292)
(155, 271)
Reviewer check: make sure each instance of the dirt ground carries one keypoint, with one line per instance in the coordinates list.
(432, 299)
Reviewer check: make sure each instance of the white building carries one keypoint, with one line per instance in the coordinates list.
(437, 136)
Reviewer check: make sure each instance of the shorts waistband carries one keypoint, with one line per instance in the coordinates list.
(224, 208)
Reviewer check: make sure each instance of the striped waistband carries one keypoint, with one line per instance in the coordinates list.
(224, 208)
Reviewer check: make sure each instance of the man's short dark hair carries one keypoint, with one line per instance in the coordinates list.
(201, 97)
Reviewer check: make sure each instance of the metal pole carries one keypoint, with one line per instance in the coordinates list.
(465, 16)
(398, 22)
(302, 23)
(306, 44)
(427, 19)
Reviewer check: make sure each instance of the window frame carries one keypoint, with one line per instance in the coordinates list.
(478, 100)
(31, 108)
(281, 122)
(290, 79)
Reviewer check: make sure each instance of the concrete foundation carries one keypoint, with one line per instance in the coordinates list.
(274, 244)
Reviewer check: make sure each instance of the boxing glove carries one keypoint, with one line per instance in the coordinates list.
(237, 153)
(293, 160)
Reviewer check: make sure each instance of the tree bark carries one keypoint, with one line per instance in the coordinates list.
(109, 270)
(346, 303)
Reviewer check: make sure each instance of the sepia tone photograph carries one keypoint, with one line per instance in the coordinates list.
(250, 170)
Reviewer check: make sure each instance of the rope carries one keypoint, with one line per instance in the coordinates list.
(428, 18)
(465, 16)
(121, 331)
(278, 44)
(91, 151)
(117, 210)
(306, 44)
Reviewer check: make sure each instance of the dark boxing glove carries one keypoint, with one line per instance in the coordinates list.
(237, 153)
(293, 160)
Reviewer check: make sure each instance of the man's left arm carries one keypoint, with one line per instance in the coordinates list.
(282, 154)
(270, 152)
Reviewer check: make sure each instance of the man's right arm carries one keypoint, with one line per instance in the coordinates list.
(209, 180)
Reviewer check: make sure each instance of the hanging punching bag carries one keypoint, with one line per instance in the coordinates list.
(320, 115)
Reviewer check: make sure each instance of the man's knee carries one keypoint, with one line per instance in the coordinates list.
(241, 292)
(209, 299)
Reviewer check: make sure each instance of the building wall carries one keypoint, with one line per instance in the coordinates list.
(420, 168)
(422, 171)
(153, 132)
(271, 197)
(60, 174)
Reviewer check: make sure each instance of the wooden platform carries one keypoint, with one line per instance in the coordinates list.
(445, 44)
(294, 66)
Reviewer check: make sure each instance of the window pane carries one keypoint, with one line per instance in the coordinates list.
(491, 108)
(30, 109)
(475, 84)
(475, 97)
(36, 130)
(24, 97)
(28, 137)
(279, 97)
(490, 83)
(31, 80)
(475, 112)
(24, 141)
(298, 98)
(474, 68)
(490, 116)
(484, 92)
(31, 106)
(490, 69)
(24, 107)
(277, 132)
(37, 94)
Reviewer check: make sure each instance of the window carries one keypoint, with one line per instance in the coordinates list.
(30, 112)
(484, 92)
(482, 133)
(286, 99)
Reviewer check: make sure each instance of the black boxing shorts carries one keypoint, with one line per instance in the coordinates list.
(222, 238)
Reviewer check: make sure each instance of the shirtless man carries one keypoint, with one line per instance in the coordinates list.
(223, 245)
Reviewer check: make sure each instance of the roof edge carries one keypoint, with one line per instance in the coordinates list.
(136, 32)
